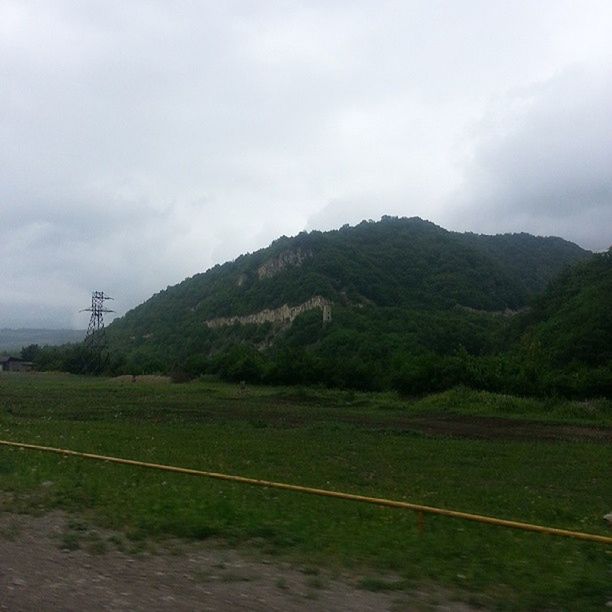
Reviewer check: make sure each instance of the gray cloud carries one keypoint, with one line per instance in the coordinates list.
(142, 142)
(542, 159)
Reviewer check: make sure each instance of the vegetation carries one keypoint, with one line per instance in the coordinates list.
(415, 310)
(572, 322)
(399, 397)
(407, 263)
(367, 443)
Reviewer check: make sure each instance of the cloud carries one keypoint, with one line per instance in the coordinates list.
(542, 159)
(142, 142)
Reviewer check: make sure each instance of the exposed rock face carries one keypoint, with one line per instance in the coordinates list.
(284, 315)
(277, 264)
(508, 312)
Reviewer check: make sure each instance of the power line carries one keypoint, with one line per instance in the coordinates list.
(95, 339)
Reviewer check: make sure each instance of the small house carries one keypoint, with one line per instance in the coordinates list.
(14, 364)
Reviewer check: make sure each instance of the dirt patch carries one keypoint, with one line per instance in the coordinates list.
(143, 378)
(435, 425)
(503, 428)
(56, 562)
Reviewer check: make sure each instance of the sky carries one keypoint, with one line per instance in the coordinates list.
(143, 142)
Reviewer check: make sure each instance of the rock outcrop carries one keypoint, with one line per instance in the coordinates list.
(277, 264)
(283, 315)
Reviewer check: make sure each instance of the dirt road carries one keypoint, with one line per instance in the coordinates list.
(56, 562)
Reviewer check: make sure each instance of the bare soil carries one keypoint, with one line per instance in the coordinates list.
(503, 428)
(431, 424)
(434, 425)
(142, 378)
(56, 562)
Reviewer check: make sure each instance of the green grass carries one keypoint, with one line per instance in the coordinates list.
(323, 439)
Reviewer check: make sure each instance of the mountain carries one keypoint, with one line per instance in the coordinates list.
(389, 263)
(572, 320)
(532, 260)
(16, 339)
(396, 287)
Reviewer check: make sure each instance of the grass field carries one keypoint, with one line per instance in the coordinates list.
(550, 469)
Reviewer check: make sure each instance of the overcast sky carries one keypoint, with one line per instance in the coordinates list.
(142, 142)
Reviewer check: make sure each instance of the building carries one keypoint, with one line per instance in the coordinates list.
(327, 313)
(14, 364)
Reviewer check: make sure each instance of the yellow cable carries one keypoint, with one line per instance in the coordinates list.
(490, 520)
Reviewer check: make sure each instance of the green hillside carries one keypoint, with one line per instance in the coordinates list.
(567, 336)
(572, 321)
(400, 288)
(562, 344)
(414, 307)
(532, 261)
(395, 262)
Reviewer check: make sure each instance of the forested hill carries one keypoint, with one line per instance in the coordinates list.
(396, 262)
(534, 260)
(572, 321)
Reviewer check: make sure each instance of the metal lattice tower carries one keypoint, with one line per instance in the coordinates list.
(95, 337)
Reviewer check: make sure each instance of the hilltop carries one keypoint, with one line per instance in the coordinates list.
(404, 294)
(394, 262)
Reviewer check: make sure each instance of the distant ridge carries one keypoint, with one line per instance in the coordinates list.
(15, 339)
(405, 263)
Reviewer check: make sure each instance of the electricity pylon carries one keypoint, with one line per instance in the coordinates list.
(95, 339)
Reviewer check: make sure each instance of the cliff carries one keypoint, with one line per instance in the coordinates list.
(283, 315)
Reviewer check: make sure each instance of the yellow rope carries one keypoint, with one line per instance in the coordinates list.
(390, 503)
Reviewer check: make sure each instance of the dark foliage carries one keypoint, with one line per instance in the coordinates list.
(416, 308)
